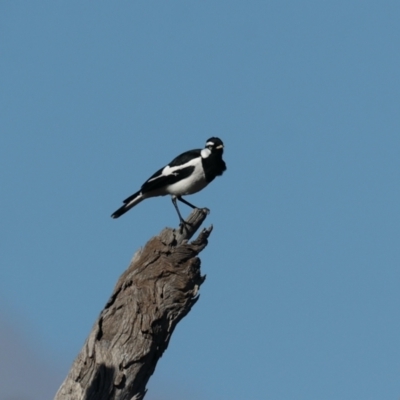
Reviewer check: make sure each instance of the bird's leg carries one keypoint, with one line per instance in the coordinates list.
(206, 210)
(186, 202)
(183, 222)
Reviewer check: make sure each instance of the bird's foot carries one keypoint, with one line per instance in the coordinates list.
(183, 225)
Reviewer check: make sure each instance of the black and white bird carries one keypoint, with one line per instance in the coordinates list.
(186, 174)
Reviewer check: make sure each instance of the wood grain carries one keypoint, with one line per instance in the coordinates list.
(157, 290)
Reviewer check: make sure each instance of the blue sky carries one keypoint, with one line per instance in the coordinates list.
(301, 299)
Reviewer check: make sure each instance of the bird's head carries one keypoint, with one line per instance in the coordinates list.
(215, 145)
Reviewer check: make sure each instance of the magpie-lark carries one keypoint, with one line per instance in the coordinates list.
(186, 174)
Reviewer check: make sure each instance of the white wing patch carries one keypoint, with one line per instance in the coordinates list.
(192, 184)
(195, 182)
(168, 171)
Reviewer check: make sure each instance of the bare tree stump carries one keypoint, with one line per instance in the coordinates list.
(132, 332)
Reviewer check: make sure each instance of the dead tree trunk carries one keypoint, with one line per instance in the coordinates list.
(132, 332)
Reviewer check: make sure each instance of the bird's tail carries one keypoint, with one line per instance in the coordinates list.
(130, 202)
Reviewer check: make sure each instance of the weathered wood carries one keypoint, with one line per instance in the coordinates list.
(157, 290)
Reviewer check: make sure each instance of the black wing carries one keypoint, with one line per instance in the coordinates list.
(185, 157)
(158, 181)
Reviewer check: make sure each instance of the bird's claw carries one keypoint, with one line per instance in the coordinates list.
(182, 225)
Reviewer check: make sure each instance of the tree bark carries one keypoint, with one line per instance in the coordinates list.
(132, 332)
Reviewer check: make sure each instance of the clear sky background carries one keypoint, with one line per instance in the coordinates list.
(302, 293)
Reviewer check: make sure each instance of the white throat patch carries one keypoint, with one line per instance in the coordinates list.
(205, 153)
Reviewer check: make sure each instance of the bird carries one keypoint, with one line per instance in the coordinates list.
(186, 174)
